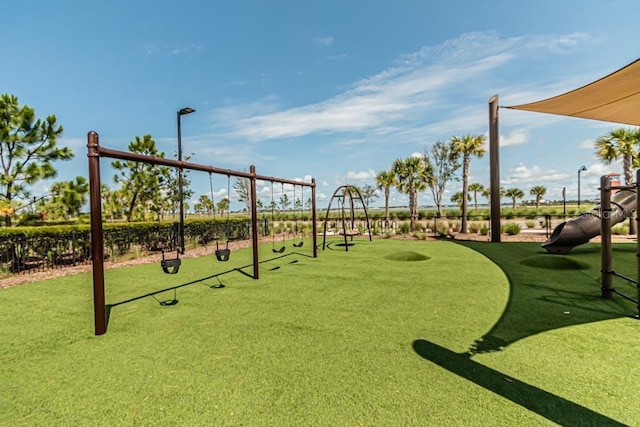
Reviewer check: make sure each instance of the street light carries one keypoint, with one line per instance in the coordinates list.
(582, 168)
(181, 112)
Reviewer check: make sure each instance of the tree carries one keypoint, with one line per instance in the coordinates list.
(538, 191)
(284, 202)
(384, 181)
(368, 193)
(206, 203)
(486, 193)
(442, 165)
(27, 148)
(223, 206)
(112, 206)
(457, 198)
(621, 143)
(142, 183)
(68, 197)
(476, 188)
(513, 194)
(467, 146)
(411, 177)
(169, 198)
(243, 190)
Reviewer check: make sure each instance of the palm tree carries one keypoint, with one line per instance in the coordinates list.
(468, 145)
(513, 194)
(411, 177)
(476, 188)
(457, 198)
(621, 143)
(384, 181)
(486, 193)
(538, 191)
(206, 203)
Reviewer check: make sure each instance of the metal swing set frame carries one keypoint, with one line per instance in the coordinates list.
(95, 152)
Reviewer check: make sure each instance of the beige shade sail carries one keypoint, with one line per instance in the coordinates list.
(614, 98)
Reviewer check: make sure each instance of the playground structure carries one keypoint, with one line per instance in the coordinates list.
(169, 265)
(346, 195)
(580, 230)
(617, 204)
(606, 222)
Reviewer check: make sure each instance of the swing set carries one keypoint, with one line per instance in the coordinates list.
(169, 265)
(347, 196)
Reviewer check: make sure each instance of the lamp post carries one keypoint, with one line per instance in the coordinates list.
(582, 168)
(564, 201)
(181, 112)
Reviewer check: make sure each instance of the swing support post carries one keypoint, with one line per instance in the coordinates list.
(97, 242)
(254, 223)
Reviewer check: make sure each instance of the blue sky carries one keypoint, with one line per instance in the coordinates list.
(331, 89)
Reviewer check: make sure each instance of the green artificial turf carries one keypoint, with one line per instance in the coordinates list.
(472, 334)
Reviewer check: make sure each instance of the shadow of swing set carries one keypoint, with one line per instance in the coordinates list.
(170, 265)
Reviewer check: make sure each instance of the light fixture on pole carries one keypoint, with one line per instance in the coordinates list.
(582, 169)
(181, 112)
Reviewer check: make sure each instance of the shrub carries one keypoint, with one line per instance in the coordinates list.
(443, 229)
(620, 229)
(420, 235)
(404, 227)
(531, 224)
(484, 230)
(474, 227)
(512, 228)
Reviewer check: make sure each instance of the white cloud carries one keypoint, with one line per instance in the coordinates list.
(587, 144)
(323, 41)
(516, 137)
(523, 175)
(361, 176)
(402, 96)
(152, 49)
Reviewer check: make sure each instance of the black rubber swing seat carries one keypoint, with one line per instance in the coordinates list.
(278, 251)
(223, 254)
(298, 245)
(171, 265)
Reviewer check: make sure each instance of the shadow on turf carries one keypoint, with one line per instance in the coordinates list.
(219, 285)
(555, 408)
(546, 292)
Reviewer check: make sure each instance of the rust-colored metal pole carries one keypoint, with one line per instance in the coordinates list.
(97, 244)
(494, 168)
(314, 218)
(254, 224)
(605, 238)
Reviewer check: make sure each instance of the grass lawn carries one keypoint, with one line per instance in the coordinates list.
(390, 333)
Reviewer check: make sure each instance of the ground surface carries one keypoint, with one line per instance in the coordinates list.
(524, 236)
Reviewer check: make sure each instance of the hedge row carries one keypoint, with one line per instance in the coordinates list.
(22, 248)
